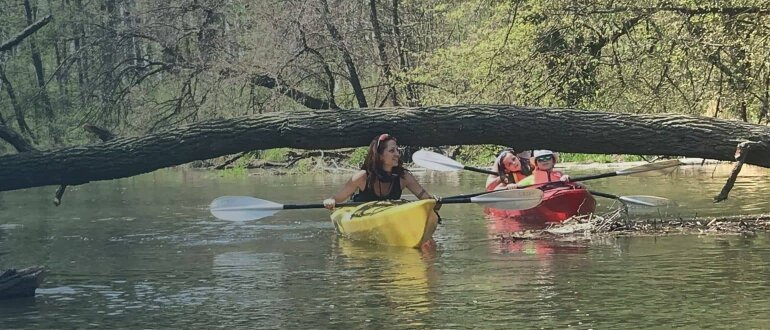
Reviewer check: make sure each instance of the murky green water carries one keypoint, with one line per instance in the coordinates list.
(144, 253)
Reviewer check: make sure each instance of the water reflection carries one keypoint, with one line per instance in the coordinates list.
(404, 275)
(503, 233)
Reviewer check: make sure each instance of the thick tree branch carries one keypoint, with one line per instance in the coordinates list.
(28, 31)
(685, 10)
(297, 95)
(16, 140)
(740, 156)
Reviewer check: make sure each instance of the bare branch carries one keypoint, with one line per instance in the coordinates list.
(28, 31)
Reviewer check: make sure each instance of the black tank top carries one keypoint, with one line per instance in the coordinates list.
(368, 195)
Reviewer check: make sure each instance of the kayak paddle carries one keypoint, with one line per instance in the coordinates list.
(438, 162)
(244, 208)
(642, 200)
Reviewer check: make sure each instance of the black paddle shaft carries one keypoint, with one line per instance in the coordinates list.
(479, 170)
(591, 177)
(580, 178)
(449, 200)
(316, 206)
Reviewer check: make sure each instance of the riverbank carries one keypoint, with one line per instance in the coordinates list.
(320, 164)
(291, 161)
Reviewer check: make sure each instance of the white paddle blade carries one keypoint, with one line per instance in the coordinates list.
(652, 169)
(641, 200)
(434, 161)
(243, 208)
(663, 207)
(515, 199)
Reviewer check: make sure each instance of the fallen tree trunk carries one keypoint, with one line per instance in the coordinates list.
(557, 129)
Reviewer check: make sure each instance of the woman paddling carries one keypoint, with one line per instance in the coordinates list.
(510, 171)
(382, 176)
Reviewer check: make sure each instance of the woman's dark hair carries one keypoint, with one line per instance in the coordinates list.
(373, 165)
(505, 178)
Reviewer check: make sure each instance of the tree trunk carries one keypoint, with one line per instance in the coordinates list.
(355, 80)
(381, 51)
(37, 62)
(329, 81)
(16, 140)
(15, 104)
(567, 130)
(412, 98)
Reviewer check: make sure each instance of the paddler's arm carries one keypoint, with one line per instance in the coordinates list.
(494, 183)
(528, 181)
(565, 178)
(415, 187)
(350, 187)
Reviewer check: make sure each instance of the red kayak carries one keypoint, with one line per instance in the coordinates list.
(560, 202)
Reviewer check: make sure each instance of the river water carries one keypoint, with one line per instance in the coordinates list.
(144, 252)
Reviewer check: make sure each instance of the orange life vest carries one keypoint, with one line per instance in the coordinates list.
(517, 177)
(546, 176)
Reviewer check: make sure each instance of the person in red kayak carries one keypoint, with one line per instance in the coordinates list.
(510, 171)
(382, 176)
(542, 162)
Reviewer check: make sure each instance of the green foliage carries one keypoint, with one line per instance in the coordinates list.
(357, 157)
(274, 155)
(211, 61)
(233, 172)
(481, 155)
(305, 165)
(568, 157)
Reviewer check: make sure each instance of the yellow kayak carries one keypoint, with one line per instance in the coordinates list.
(396, 223)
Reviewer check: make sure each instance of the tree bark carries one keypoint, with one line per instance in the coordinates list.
(295, 94)
(562, 129)
(16, 140)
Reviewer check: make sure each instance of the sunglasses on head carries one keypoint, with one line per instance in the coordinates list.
(383, 137)
(544, 158)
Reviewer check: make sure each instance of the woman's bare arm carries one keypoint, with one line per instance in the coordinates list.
(415, 187)
(350, 187)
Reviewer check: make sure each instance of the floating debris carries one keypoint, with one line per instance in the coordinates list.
(618, 223)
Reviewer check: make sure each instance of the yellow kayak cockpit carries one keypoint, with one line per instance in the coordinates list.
(395, 223)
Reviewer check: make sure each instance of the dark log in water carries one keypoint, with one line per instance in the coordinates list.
(21, 283)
